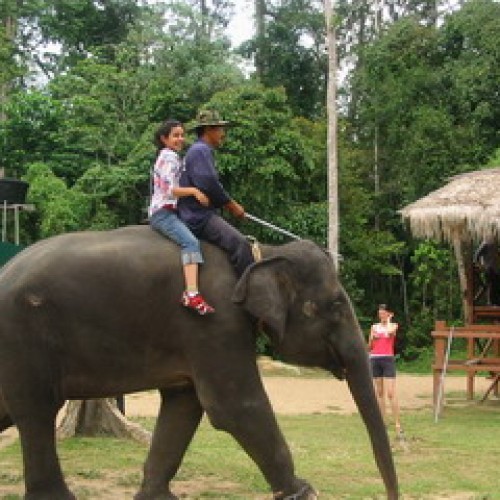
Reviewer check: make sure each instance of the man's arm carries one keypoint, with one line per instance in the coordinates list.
(201, 172)
(181, 192)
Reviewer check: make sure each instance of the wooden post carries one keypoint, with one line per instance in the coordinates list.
(462, 276)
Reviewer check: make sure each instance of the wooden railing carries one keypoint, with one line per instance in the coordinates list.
(482, 354)
(485, 313)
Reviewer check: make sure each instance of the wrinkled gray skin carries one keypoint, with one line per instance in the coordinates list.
(95, 314)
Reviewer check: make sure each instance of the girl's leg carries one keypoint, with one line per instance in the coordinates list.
(390, 384)
(168, 224)
(191, 277)
(378, 384)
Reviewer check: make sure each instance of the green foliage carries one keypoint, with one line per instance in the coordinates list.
(330, 450)
(265, 162)
(9, 66)
(434, 295)
(291, 54)
(81, 26)
(30, 131)
(59, 209)
(428, 94)
(431, 263)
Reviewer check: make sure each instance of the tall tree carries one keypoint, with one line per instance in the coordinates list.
(201, 20)
(260, 34)
(331, 109)
(10, 67)
(79, 27)
(289, 51)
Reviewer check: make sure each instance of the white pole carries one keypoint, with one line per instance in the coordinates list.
(437, 410)
(331, 108)
(16, 223)
(4, 221)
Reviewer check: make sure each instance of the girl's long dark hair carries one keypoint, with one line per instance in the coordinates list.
(164, 130)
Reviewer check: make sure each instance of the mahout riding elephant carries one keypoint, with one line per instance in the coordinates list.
(95, 314)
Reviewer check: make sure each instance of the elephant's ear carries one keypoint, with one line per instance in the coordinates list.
(265, 290)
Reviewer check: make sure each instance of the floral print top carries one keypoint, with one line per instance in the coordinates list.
(165, 177)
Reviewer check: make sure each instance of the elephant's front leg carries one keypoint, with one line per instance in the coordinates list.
(240, 406)
(179, 417)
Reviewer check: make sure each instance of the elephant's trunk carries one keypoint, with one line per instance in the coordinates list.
(360, 384)
(5, 420)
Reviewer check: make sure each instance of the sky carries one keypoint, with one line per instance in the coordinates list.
(241, 27)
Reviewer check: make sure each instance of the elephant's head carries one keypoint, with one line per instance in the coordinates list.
(311, 322)
(304, 308)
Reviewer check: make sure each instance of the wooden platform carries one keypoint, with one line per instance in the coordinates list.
(482, 355)
(486, 313)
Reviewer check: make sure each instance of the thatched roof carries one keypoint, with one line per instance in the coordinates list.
(468, 207)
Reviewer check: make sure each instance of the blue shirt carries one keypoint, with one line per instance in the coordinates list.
(199, 171)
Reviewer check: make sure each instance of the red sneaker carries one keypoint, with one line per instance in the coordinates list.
(197, 303)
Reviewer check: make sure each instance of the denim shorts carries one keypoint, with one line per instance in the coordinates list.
(167, 223)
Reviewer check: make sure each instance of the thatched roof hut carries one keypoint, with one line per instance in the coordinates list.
(465, 210)
(468, 208)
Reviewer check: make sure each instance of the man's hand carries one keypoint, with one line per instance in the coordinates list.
(201, 197)
(235, 208)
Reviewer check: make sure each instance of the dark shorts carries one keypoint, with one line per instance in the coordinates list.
(383, 367)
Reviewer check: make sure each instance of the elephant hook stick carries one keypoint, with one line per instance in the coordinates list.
(272, 226)
(280, 230)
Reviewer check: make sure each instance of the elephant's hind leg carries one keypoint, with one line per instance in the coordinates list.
(43, 476)
(179, 417)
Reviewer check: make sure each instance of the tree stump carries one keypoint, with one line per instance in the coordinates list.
(98, 417)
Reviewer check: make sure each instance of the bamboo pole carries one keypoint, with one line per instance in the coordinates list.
(462, 276)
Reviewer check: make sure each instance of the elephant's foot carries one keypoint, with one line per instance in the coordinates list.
(59, 494)
(305, 492)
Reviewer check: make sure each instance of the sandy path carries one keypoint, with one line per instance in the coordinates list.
(293, 395)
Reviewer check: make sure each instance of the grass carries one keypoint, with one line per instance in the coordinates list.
(455, 458)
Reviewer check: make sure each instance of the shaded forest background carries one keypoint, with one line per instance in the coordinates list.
(84, 84)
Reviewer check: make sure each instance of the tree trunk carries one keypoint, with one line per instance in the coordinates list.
(97, 417)
(260, 34)
(9, 26)
(465, 286)
(331, 107)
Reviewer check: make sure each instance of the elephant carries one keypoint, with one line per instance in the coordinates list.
(93, 314)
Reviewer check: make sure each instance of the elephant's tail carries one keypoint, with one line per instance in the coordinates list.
(5, 420)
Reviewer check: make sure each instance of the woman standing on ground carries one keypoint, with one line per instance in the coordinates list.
(381, 348)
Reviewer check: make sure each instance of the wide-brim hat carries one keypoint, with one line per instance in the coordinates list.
(207, 118)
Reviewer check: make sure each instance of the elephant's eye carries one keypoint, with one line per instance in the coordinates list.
(335, 303)
(332, 307)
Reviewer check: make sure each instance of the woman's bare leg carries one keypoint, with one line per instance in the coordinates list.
(191, 277)
(390, 385)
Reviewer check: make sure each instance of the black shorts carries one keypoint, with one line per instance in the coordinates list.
(383, 367)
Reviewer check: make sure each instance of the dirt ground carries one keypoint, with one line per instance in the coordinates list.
(291, 394)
